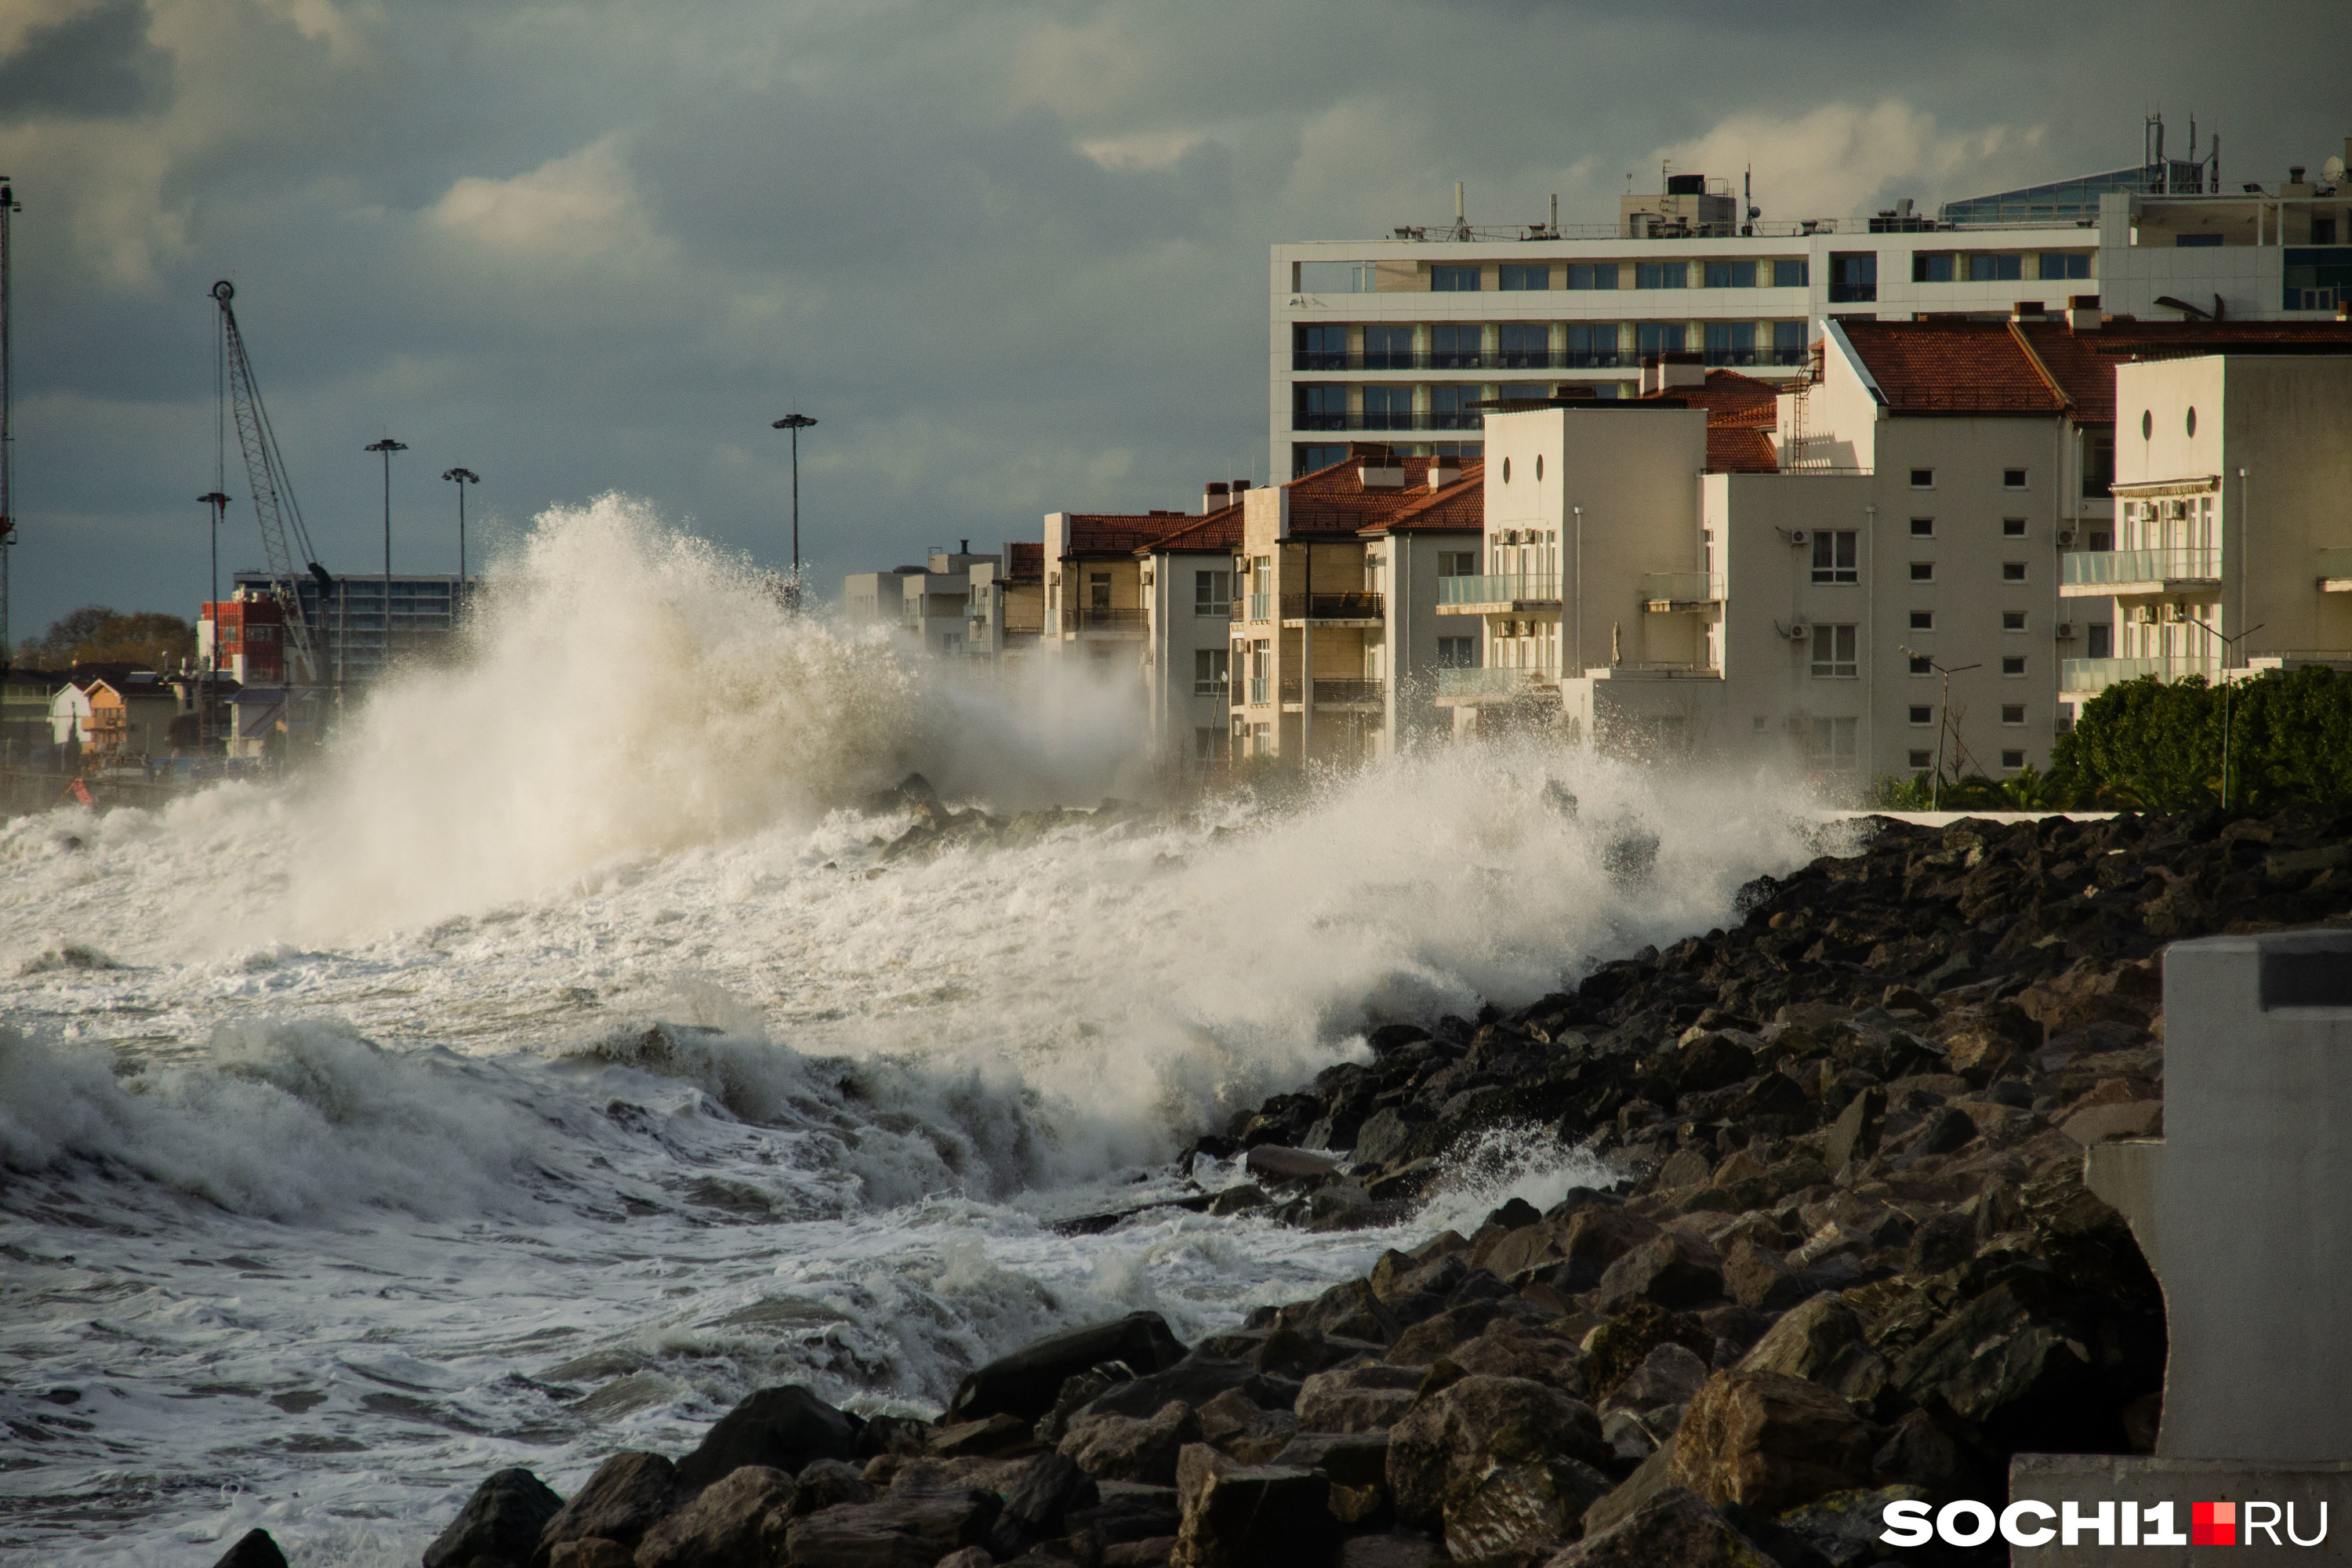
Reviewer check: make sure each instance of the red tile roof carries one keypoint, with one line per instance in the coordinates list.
(1118, 533)
(1741, 449)
(1220, 531)
(1335, 501)
(1459, 508)
(2084, 363)
(1740, 409)
(1025, 558)
(1723, 392)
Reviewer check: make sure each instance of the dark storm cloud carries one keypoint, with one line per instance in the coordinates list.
(1012, 256)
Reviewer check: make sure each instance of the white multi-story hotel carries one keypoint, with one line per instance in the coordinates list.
(1410, 339)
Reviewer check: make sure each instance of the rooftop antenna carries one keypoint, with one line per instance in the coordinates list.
(1461, 224)
(1747, 200)
(1554, 225)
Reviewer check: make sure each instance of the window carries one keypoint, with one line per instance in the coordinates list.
(1788, 341)
(1834, 656)
(1731, 275)
(1388, 348)
(1457, 653)
(2014, 713)
(1922, 759)
(1730, 342)
(1853, 277)
(2012, 620)
(2065, 264)
(1834, 557)
(1450, 408)
(1261, 739)
(1454, 279)
(2013, 664)
(2101, 643)
(1662, 275)
(2013, 571)
(1935, 268)
(1922, 620)
(1318, 408)
(1261, 588)
(1318, 347)
(1790, 274)
(1456, 347)
(1098, 590)
(1213, 592)
(2012, 478)
(1996, 268)
(2196, 241)
(2012, 528)
(2322, 231)
(2013, 761)
(1387, 408)
(1593, 275)
(1660, 338)
(1523, 278)
(1209, 669)
(1923, 571)
(1922, 714)
(1525, 345)
(1922, 665)
(1311, 459)
(2099, 465)
(1923, 528)
(1593, 343)
(1457, 564)
(1923, 479)
(1829, 745)
(1258, 658)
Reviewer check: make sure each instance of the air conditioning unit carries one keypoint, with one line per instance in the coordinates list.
(2065, 536)
(1799, 536)
(2066, 631)
(1799, 631)
(2173, 615)
(2143, 615)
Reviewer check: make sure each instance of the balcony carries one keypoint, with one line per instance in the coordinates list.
(1470, 687)
(1099, 618)
(2336, 570)
(1312, 359)
(1340, 609)
(1509, 593)
(1208, 688)
(1764, 355)
(1853, 293)
(2087, 676)
(1418, 419)
(1665, 592)
(2096, 574)
(1336, 692)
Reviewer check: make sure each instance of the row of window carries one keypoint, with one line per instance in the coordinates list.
(1834, 656)
(1924, 714)
(1836, 553)
(1955, 266)
(2010, 480)
(1532, 277)
(2011, 762)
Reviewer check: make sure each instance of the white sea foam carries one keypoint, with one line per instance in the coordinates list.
(560, 1059)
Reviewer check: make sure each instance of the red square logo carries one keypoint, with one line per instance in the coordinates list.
(2212, 1524)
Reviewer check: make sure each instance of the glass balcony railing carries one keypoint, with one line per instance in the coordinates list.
(2098, 674)
(1477, 683)
(2106, 568)
(1683, 588)
(1506, 588)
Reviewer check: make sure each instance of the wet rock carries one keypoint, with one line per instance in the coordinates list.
(1670, 1374)
(1123, 1449)
(1614, 1350)
(1769, 1442)
(1351, 1310)
(1483, 1448)
(996, 1434)
(1597, 1235)
(921, 1520)
(1508, 1350)
(1438, 1335)
(1195, 1380)
(1674, 1269)
(828, 1483)
(627, 1494)
(1360, 1399)
(1845, 1528)
(1272, 1161)
(733, 1524)
(1239, 1200)
(1249, 1515)
(1345, 1459)
(783, 1429)
(1919, 1452)
(1675, 1528)
(1757, 1276)
(591, 1551)
(1128, 1512)
(501, 1522)
(1040, 1499)
(1025, 1382)
(254, 1549)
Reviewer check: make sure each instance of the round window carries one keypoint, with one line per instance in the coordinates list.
(1507, 470)
(1539, 462)
(2192, 421)
(2146, 423)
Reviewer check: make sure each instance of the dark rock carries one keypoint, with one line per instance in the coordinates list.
(1919, 1452)
(1346, 1459)
(1239, 1200)
(1507, 1349)
(501, 1520)
(996, 1434)
(1597, 1235)
(1360, 1399)
(1038, 1502)
(1477, 1425)
(1844, 1528)
(1025, 1382)
(628, 1493)
(1437, 1335)
(591, 1551)
(1619, 1346)
(1769, 1442)
(1673, 1529)
(1250, 1515)
(1856, 1133)
(1946, 1241)
(1195, 1380)
(1674, 1269)
(1351, 1309)
(1271, 1161)
(733, 1524)
(829, 1483)
(254, 1549)
(1128, 1512)
(1670, 1374)
(783, 1429)
(1122, 1448)
(893, 1434)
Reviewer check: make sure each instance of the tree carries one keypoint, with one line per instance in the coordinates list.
(96, 634)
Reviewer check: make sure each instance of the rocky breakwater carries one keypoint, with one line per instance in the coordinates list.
(1850, 1260)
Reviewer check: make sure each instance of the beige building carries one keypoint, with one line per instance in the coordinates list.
(1187, 583)
(930, 603)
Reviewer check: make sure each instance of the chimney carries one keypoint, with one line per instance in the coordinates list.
(1672, 371)
(1215, 498)
(963, 547)
(1238, 487)
(2082, 313)
(2027, 310)
(1444, 472)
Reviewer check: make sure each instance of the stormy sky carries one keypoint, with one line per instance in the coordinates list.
(1011, 255)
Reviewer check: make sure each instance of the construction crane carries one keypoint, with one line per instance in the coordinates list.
(7, 426)
(284, 541)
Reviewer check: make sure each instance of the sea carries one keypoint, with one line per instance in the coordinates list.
(559, 1057)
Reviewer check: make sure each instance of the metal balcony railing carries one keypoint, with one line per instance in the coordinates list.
(1477, 683)
(1331, 691)
(1681, 588)
(1418, 419)
(1354, 606)
(1762, 354)
(2104, 568)
(2098, 674)
(1094, 618)
(1506, 588)
(1313, 360)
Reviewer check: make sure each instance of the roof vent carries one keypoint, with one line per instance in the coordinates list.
(1215, 498)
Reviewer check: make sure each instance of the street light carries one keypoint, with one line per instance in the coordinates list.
(795, 423)
(388, 447)
(218, 503)
(1942, 722)
(461, 478)
(2229, 646)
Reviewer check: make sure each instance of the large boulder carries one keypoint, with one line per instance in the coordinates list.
(1670, 1374)
(783, 1429)
(1769, 1442)
(1357, 1399)
(1123, 1449)
(1820, 1341)
(1245, 1515)
(2013, 1368)
(1625, 1342)
(1755, 1276)
(1495, 1460)
(1024, 1381)
(1196, 1380)
(254, 1549)
(1047, 1488)
(1509, 1350)
(921, 1518)
(735, 1523)
(1674, 1269)
(1672, 1530)
(1351, 1310)
(500, 1521)
(626, 1496)
(1597, 1235)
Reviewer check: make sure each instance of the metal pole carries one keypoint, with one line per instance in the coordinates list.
(217, 502)
(7, 426)
(795, 423)
(388, 447)
(461, 478)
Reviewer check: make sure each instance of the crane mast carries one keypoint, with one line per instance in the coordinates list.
(284, 541)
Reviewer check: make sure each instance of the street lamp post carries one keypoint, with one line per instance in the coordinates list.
(388, 447)
(2229, 647)
(461, 478)
(1942, 722)
(218, 503)
(795, 423)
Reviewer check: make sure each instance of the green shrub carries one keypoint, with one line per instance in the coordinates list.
(2151, 746)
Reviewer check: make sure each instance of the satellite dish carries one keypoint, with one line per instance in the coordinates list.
(2332, 170)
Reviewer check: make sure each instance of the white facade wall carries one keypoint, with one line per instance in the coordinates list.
(1190, 710)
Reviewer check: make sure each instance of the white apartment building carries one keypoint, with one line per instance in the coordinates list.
(1404, 339)
(930, 603)
(1186, 579)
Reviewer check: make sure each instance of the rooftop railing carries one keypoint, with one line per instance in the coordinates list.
(2104, 568)
(1091, 618)
(1351, 607)
(1509, 587)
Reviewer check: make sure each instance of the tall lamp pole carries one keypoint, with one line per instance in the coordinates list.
(461, 478)
(2229, 646)
(1942, 722)
(795, 423)
(388, 447)
(218, 503)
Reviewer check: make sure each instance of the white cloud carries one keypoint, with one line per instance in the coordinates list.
(1142, 150)
(583, 203)
(1843, 158)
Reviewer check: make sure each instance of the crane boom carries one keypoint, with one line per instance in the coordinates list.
(284, 541)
